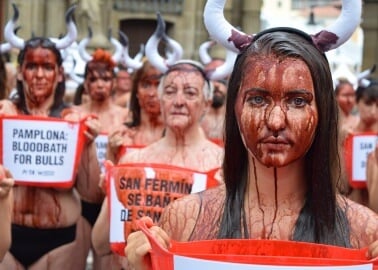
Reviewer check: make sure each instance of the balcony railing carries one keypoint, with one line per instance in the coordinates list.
(150, 6)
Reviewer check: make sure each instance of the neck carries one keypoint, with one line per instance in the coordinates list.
(98, 106)
(40, 107)
(150, 120)
(364, 127)
(182, 138)
(287, 183)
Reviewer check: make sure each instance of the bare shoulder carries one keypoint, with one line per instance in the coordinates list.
(132, 156)
(180, 216)
(363, 222)
(7, 107)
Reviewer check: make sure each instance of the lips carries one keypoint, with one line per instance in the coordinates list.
(178, 113)
(275, 143)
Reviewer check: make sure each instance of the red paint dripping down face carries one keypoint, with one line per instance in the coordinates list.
(276, 110)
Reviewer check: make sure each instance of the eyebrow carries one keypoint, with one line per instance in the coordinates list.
(290, 92)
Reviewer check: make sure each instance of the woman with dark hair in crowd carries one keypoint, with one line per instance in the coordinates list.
(281, 161)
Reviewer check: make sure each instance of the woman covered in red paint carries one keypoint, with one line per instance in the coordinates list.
(281, 162)
(44, 219)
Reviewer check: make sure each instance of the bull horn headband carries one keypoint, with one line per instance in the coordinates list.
(203, 51)
(222, 71)
(61, 43)
(329, 38)
(152, 52)
(362, 77)
(117, 55)
(6, 47)
(133, 63)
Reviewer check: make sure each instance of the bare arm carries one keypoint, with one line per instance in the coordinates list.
(179, 217)
(100, 231)
(88, 175)
(6, 206)
(372, 179)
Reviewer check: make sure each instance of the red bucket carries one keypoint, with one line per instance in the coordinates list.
(243, 254)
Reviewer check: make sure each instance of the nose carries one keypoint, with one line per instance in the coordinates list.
(179, 98)
(275, 119)
(100, 82)
(40, 72)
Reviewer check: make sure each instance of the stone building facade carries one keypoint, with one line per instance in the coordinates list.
(137, 19)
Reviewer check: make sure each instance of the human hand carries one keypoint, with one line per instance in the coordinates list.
(116, 139)
(102, 184)
(372, 250)
(94, 128)
(138, 247)
(6, 182)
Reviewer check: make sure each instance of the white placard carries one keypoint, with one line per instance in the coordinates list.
(40, 151)
(187, 263)
(362, 146)
(101, 145)
(118, 215)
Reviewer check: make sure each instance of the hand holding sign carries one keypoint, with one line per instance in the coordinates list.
(91, 122)
(6, 182)
(137, 251)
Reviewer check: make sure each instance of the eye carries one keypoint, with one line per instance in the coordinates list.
(92, 79)
(256, 100)
(169, 91)
(145, 84)
(191, 92)
(49, 67)
(298, 102)
(30, 66)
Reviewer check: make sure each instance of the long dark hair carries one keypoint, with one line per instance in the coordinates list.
(139, 75)
(3, 79)
(320, 220)
(45, 43)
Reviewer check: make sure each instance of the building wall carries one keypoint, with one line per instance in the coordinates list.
(46, 17)
(370, 27)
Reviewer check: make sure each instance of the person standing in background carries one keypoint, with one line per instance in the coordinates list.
(122, 88)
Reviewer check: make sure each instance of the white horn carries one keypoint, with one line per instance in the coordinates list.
(203, 51)
(342, 29)
(152, 52)
(118, 48)
(221, 30)
(224, 70)
(127, 60)
(176, 51)
(71, 35)
(82, 47)
(9, 30)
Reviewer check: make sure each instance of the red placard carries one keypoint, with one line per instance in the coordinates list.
(243, 254)
(144, 189)
(356, 148)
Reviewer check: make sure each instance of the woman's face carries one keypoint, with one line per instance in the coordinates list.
(183, 100)
(368, 111)
(147, 92)
(276, 110)
(39, 74)
(346, 98)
